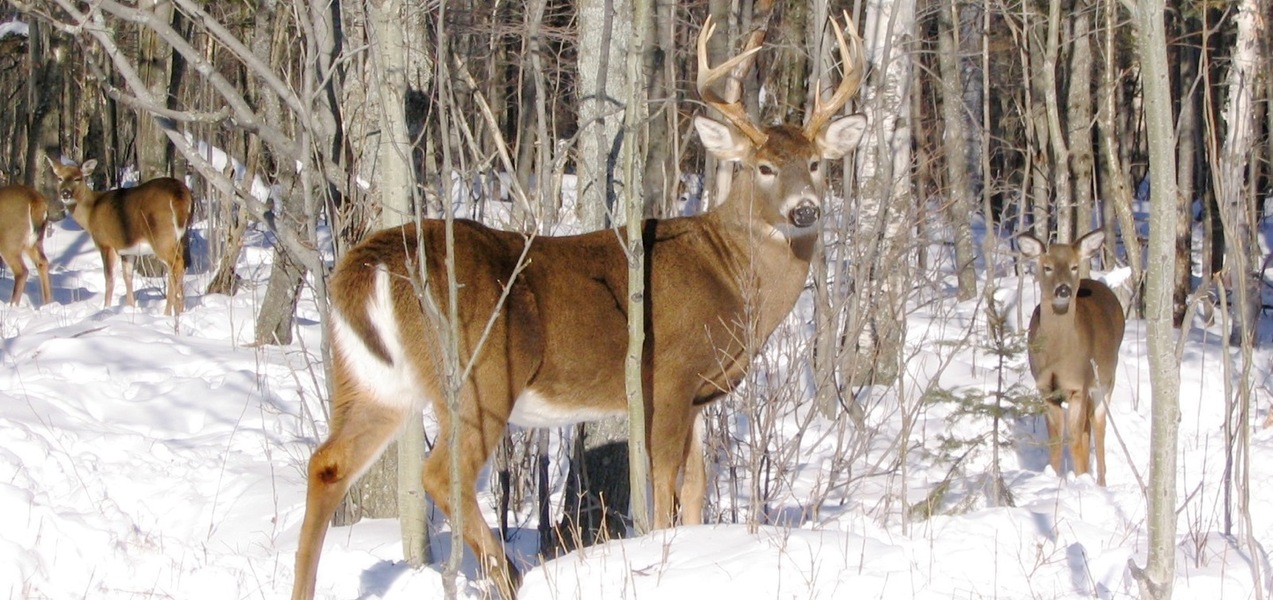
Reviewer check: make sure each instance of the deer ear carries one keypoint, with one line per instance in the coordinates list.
(841, 136)
(88, 166)
(1090, 243)
(1030, 246)
(720, 140)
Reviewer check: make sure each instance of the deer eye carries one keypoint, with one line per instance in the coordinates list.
(767, 170)
(1047, 269)
(813, 166)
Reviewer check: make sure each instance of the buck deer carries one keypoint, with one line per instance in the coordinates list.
(554, 349)
(147, 219)
(24, 218)
(1074, 336)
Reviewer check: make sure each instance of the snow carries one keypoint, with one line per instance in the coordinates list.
(139, 459)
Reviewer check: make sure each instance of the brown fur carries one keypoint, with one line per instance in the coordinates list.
(23, 223)
(1065, 341)
(157, 213)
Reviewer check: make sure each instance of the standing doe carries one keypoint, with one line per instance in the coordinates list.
(147, 219)
(1075, 333)
(24, 219)
(543, 330)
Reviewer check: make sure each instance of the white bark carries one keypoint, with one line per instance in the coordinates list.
(604, 30)
(1164, 369)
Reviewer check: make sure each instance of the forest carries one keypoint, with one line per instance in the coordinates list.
(302, 127)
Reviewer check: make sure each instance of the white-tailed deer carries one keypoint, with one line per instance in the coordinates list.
(23, 222)
(718, 285)
(1074, 337)
(147, 219)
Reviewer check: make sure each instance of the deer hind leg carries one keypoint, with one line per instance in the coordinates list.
(1080, 430)
(36, 252)
(169, 251)
(20, 274)
(361, 428)
(694, 478)
(1099, 413)
(480, 431)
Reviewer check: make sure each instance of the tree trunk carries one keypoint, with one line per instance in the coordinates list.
(605, 30)
(1078, 107)
(393, 180)
(1115, 180)
(154, 64)
(1164, 369)
(960, 206)
(1187, 160)
(884, 169)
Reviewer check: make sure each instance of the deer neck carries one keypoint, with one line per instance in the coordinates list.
(772, 263)
(1058, 325)
(85, 200)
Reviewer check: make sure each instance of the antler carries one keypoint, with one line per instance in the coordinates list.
(732, 108)
(854, 66)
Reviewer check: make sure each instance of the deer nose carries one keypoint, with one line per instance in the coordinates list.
(1063, 291)
(805, 214)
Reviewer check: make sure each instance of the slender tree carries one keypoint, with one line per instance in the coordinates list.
(1164, 368)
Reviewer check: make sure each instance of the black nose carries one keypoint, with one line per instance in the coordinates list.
(805, 214)
(1063, 291)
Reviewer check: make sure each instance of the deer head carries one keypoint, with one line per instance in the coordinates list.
(782, 172)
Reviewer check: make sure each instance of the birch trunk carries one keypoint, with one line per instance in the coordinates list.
(1164, 369)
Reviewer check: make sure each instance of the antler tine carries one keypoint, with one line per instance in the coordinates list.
(732, 108)
(854, 59)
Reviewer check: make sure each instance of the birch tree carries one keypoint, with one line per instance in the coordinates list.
(1157, 577)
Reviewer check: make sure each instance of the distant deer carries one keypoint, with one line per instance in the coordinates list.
(147, 219)
(554, 349)
(24, 218)
(1074, 337)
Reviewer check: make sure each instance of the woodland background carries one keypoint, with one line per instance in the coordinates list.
(987, 119)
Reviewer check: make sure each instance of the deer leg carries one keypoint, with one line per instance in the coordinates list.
(480, 431)
(694, 479)
(129, 262)
(170, 254)
(42, 268)
(108, 265)
(1056, 428)
(1077, 409)
(1098, 425)
(669, 433)
(20, 274)
(361, 428)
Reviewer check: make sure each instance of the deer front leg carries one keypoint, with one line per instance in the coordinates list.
(668, 436)
(1056, 428)
(694, 477)
(1080, 431)
(108, 265)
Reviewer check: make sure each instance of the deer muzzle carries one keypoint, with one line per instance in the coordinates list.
(1061, 298)
(805, 214)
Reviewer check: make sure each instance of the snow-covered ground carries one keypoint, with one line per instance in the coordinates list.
(138, 461)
